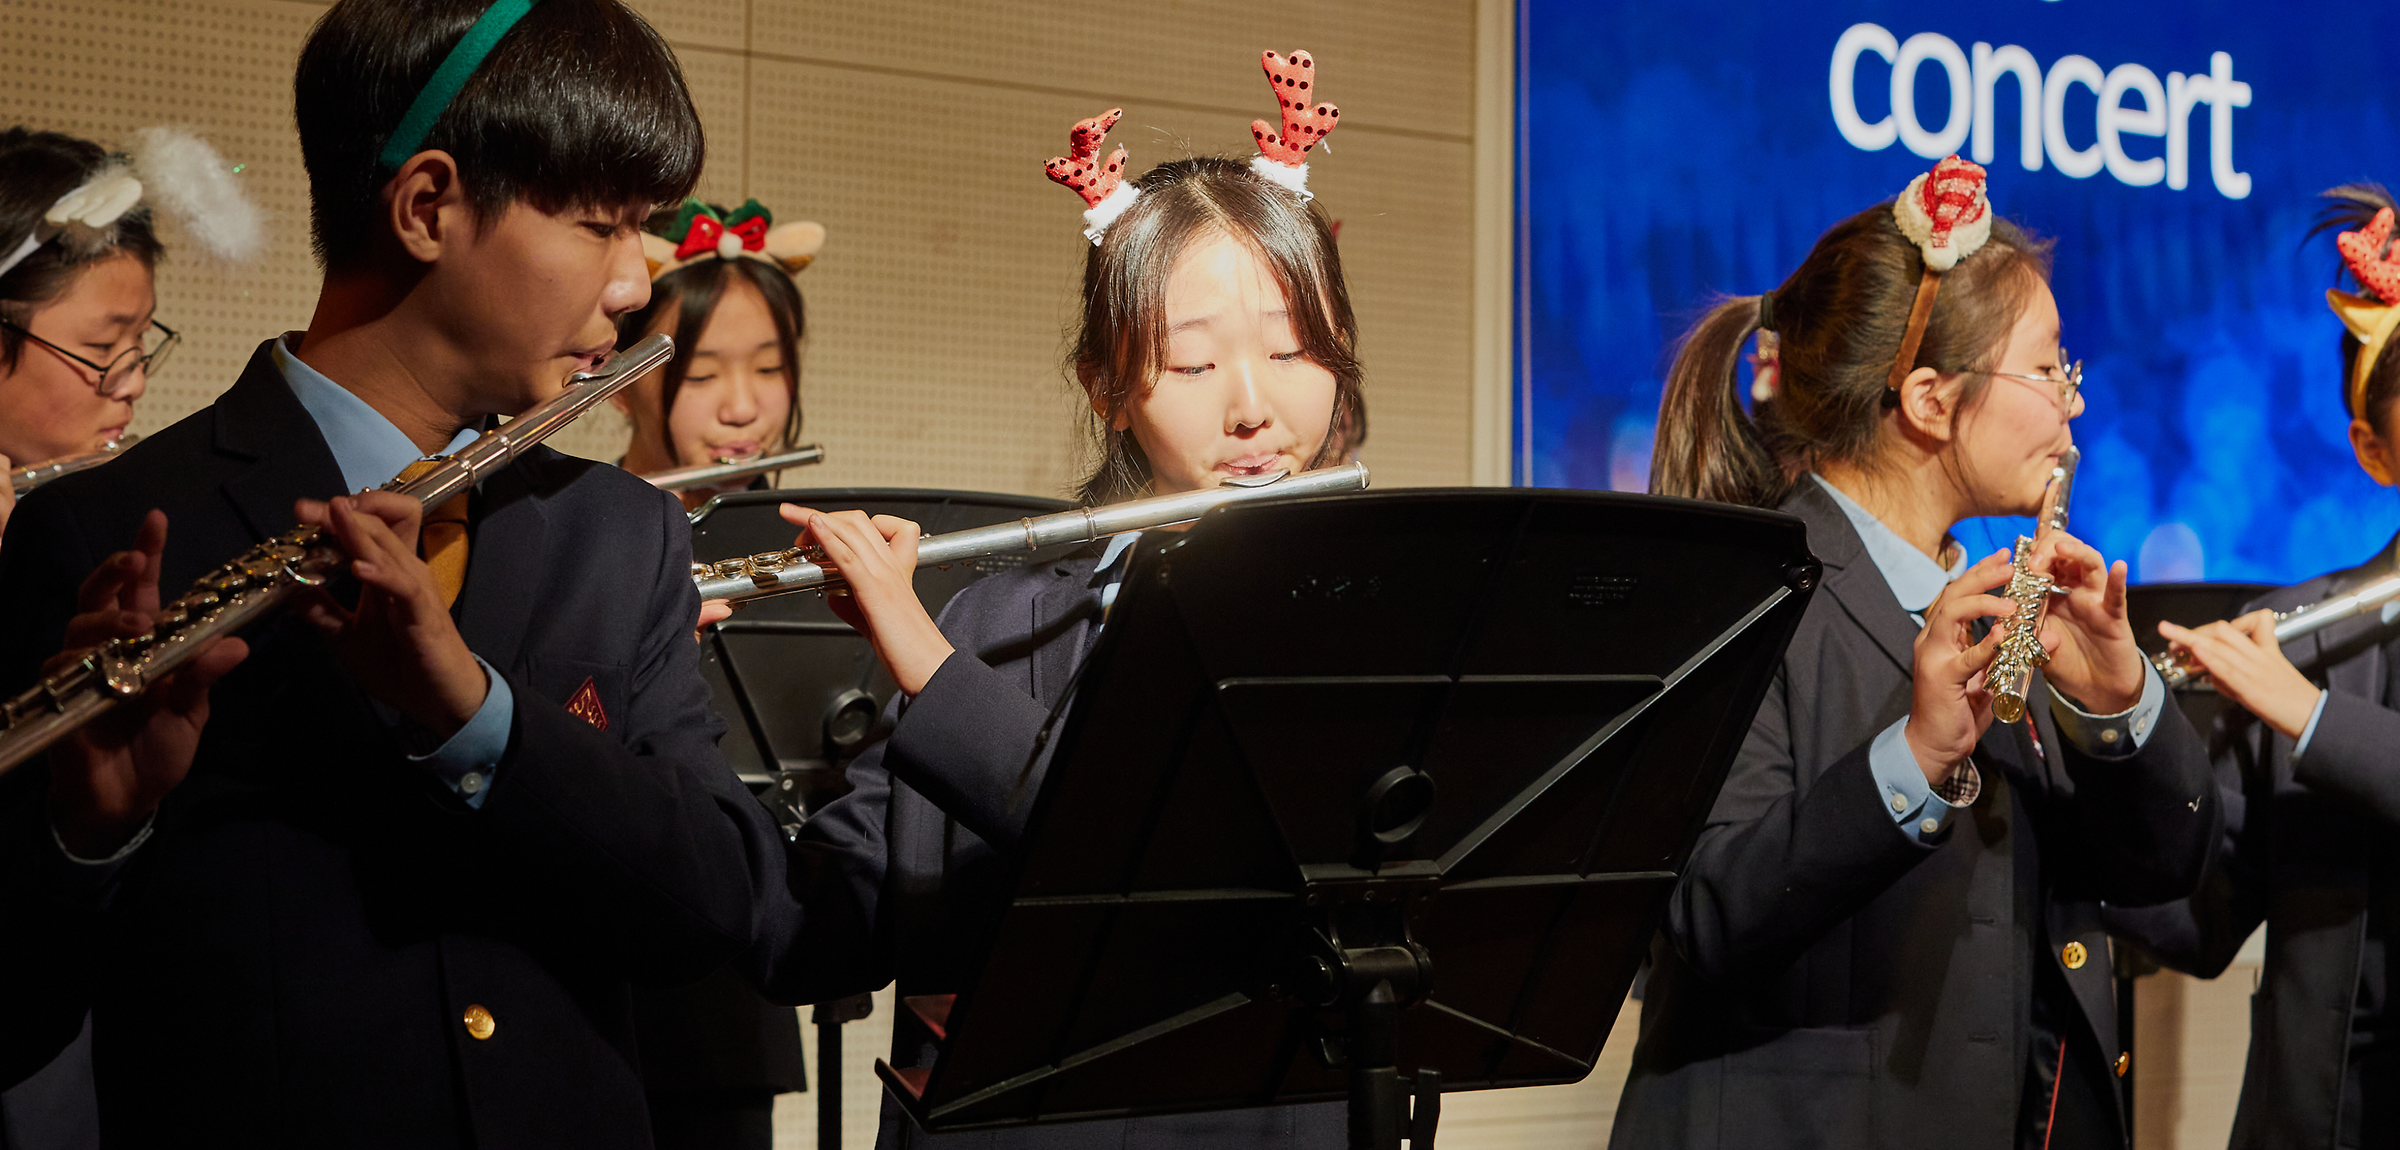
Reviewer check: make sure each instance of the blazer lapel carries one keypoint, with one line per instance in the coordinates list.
(261, 420)
(1851, 576)
(507, 545)
(1064, 609)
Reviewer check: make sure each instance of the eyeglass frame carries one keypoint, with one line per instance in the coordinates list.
(2068, 388)
(146, 360)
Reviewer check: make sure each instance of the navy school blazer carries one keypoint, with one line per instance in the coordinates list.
(1824, 980)
(288, 960)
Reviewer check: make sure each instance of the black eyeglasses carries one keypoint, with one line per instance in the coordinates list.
(114, 378)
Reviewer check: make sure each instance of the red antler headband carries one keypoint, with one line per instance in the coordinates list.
(1105, 193)
(1283, 157)
(2374, 316)
(1946, 214)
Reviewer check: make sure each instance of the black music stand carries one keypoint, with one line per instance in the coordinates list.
(1359, 784)
(800, 692)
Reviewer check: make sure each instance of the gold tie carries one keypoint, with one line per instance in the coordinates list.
(442, 540)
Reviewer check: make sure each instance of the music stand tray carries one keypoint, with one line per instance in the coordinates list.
(1360, 784)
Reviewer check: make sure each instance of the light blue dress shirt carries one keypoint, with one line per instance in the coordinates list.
(1916, 580)
(371, 451)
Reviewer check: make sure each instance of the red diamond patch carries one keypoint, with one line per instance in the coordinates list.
(586, 705)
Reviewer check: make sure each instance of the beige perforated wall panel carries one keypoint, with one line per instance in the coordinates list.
(223, 68)
(915, 132)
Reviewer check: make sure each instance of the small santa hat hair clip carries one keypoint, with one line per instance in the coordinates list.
(2371, 318)
(1102, 184)
(1283, 156)
(1947, 215)
(747, 232)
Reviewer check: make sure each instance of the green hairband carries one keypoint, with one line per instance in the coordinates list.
(456, 68)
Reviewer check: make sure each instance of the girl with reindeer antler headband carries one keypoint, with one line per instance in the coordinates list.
(725, 286)
(1216, 342)
(1889, 933)
(2311, 760)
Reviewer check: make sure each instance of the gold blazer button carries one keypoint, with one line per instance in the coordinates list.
(2073, 954)
(2124, 1063)
(480, 1023)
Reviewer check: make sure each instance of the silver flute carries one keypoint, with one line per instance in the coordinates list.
(803, 569)
(237, 594)
(2178, 670)
(728, 470)
(2011, 672)
(24, 479)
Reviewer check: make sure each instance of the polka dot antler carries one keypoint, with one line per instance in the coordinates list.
(1080, 170)
(2365, 252)
(1295, 82)
(1105, 193)
(2375, 317)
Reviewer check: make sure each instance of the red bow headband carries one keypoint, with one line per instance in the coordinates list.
(749, 231)
(1282, 156)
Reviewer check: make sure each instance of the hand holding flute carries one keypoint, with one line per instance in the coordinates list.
(2245, 660)
(107, 778)
(2093, 657)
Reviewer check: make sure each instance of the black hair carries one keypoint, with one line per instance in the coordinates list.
(36, 168)
(694, 290)
(1121, 337)
(580, 105)
(1839, 322)
(2351, 208)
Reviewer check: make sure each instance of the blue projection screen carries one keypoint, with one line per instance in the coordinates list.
(1673, 153)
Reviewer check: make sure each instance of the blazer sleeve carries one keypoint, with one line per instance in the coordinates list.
(962, 743)
(44, 927)
(638, 841)
(2151, 822)
(823, 937)
(2350, 755)
(2201, 934)
(1778, 864)
(971, 741)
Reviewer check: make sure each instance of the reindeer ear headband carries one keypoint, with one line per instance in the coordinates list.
(2371, 317)
(169, 169)
(1282, 156)
(748, 232)
(1946, 214)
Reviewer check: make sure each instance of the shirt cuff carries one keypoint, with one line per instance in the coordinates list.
(89, 880)
(466, 762)
(2301, 748)
(2113, 736)
(1921, 813)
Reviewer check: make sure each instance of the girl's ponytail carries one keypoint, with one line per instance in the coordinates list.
(1707, 447)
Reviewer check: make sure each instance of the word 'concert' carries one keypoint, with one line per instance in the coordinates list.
(2165, 109)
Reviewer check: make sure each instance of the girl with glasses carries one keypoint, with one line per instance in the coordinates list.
(75, 309)
(1889, 932)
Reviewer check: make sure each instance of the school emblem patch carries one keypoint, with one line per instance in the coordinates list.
(585, 705)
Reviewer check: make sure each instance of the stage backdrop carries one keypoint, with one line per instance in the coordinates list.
(1675, 152)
